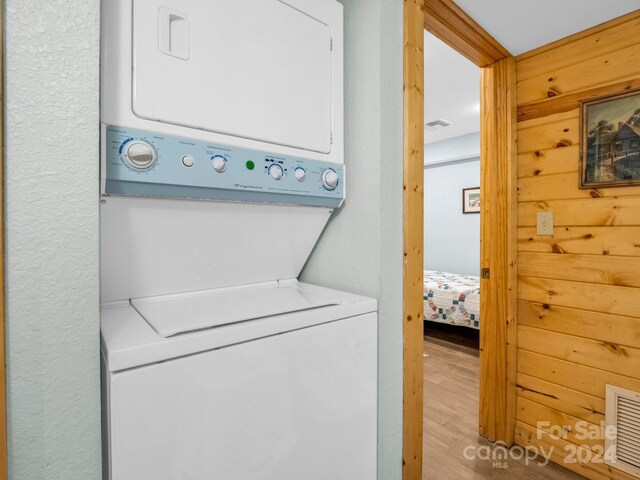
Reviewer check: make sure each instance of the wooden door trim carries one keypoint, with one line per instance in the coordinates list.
(498, 253)
(413, 184)
(448, 22)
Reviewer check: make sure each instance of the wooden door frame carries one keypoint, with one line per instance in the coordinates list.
(498, 336)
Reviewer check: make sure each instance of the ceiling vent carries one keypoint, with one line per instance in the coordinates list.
(622, 448)
(437, 124)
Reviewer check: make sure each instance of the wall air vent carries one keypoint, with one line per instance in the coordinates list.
(437, 124)
(622, 433)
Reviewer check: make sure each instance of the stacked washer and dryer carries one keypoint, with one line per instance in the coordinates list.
(222, 161)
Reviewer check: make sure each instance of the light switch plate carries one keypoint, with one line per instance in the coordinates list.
(544, 225)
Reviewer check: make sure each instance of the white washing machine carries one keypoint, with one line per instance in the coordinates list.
(284, 396)
(222, 161)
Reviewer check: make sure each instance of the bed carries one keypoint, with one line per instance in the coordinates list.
(452, 298)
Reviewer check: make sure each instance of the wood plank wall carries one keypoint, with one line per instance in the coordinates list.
(579, 290)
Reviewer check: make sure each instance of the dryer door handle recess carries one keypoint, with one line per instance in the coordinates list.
(173, 30)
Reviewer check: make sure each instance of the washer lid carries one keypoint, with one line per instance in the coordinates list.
(128, 341)
(171, 315)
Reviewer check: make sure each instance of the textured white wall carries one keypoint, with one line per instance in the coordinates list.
(52, 58)
(361, 248)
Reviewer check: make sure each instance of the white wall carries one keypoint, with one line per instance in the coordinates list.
(464, 146)
(52, 239)
(451, 238)
(361, 249)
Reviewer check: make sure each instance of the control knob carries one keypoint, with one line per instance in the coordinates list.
(219, 163)
(275, 171)
(330, 179)
(140, 155)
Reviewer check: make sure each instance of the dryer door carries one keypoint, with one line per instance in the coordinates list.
(255, 69)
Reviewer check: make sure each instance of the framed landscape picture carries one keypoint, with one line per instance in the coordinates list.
(610, 141)
(471, 200)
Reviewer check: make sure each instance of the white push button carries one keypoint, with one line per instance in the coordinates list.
(300, 174)
(188, 161)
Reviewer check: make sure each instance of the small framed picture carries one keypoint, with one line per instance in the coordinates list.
(610, 141)
(471, 200)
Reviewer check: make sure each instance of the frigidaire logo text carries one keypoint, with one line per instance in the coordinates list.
(240, 185)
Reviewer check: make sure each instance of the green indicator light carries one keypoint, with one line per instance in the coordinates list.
(250, 165)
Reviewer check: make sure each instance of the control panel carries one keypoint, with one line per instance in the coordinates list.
(157, 165)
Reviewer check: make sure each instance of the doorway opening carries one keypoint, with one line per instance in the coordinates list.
(451, 295)
(497, 215)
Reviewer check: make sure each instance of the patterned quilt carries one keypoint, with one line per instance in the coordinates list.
(451, 298)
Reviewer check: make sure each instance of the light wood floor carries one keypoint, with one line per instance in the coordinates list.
(451, 369)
